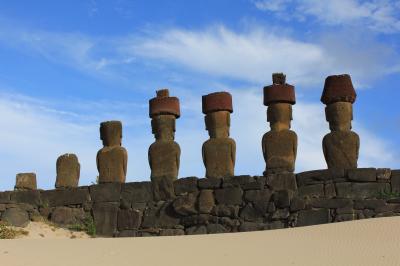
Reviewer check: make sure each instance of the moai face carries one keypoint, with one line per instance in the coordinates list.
(217, 124)
(339, 115)
(111, 133)
(163, 127)
(279, 115)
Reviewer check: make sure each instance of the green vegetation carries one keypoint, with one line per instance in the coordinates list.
(7, 232)
(388, 195)
(87, 226)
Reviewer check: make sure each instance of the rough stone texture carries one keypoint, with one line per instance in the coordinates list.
(15, 217)
(137, 192)
(279, 91)
(395, 181)
(67, 216)
(338, 88)
(186, 205)
(112, 159)
(320, 176)
(129, 219)
(330, 203)
(311, 191)
(217, 101)
(163, 216)
(230, 195)
(282, 181)
(64, 197)
(163, 188)
(105, 218)
(29, 197)
(172, 232)
(237, 181)
(163, 104)
(186, 185)
(209, 183)
(361, 190)
(362, 174)
(312, 217)
(216, 229)
(226, 211)
(282, 198)
(196, 230)
(383, 174)
(105, 192)
(206, 201)
(25, 181)
(68, 171)
(219, 152)
(5, 197)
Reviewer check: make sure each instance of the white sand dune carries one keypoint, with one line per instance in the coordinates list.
(366, 242)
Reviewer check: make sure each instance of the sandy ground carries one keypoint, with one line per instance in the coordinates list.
(366, 242)
(39, 230)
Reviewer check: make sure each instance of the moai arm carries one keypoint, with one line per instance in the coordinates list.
(358, 147)
(233, 152)
(125, 162)
(324, 150)
(203, 154)
(264, 148)
(178, 156)
(97, 161)
(295, 147)
(149, 158)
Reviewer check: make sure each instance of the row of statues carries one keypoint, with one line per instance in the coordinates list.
(279, 145)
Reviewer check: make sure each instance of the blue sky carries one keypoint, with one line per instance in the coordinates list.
(68, 65)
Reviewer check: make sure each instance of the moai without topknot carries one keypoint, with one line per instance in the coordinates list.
(112, 159)
(219, 152)
(68, 171)
(25, 181)
(279, 145)
(164, 153)
(341, 145)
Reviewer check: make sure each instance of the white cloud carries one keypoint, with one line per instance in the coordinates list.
(378, 15)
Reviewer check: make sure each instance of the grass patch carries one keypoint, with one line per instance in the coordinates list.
(87, 226)
(7, 232)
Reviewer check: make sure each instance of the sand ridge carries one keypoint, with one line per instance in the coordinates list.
(365, 242)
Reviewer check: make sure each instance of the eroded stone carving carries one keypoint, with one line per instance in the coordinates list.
(68, 171)
(112, 158)
(164, 153)
(25, 181)
(279, 145)
(341, 145)
(219, 152)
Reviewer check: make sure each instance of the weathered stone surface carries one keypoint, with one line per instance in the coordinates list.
(369, 204)
(68, 171)
(25, 181)
(186, 204)
(105, 216)
(226, 210)
(172, 232)
(112, 159)
(110, 192)
(361, 190)
(137, 192)
(198, 219)
(30, 197)
(128, 233)
(383, 174)
(258, 183)
(15, 217)
(163, 189)
(313, 217)
(362, 174)
(230, 195)
(341, 149)
(67, 216)
(5, 197)
(276, 225)
(282, 198)
(250, 226)
(297, 204)
(319, 176)
(330, 190)
(330, 203)
(64, 197)
(395, 181)
(311, 191)
(237, 181)
(249, 213)
(338, 88)
(282, 181)
(129, 219)
(185, 185)
(259, 198)
(163, 104)
(196, 230)
(279, 91)
(216, 229)
(394, 200)
(206, 201)
(161, 216)
(345, 217)
(281, 214)
(209, 183)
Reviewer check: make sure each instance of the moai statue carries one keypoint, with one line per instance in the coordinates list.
(112, 158)
(25, 181)
(279, 145)
(68, 171)
(219, 152)
(341, 145)
(164, 153)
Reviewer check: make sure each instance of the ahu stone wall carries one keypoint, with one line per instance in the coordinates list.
(210, 205)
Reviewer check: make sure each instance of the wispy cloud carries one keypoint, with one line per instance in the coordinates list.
(377, 15)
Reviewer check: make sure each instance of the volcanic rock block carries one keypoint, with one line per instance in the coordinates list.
(206, 201)
(219, 152)
(313, 217)
(129, 219)
(105, 218)
(112, 158)
(186, 204)
(15, 217)
(67, 216)
(185, 185)
(25, 181)
(68, 171)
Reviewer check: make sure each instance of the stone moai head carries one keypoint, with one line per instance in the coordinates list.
(111, 133)
(163, 111)
(217, 108)
(25, 181)
(339, 96)
(279, 97)
(68, 171)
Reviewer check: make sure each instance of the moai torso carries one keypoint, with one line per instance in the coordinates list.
(280, 144)
(68, 171)
(112, 158)
(164, 153)
(219, 152)
(25, 181)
